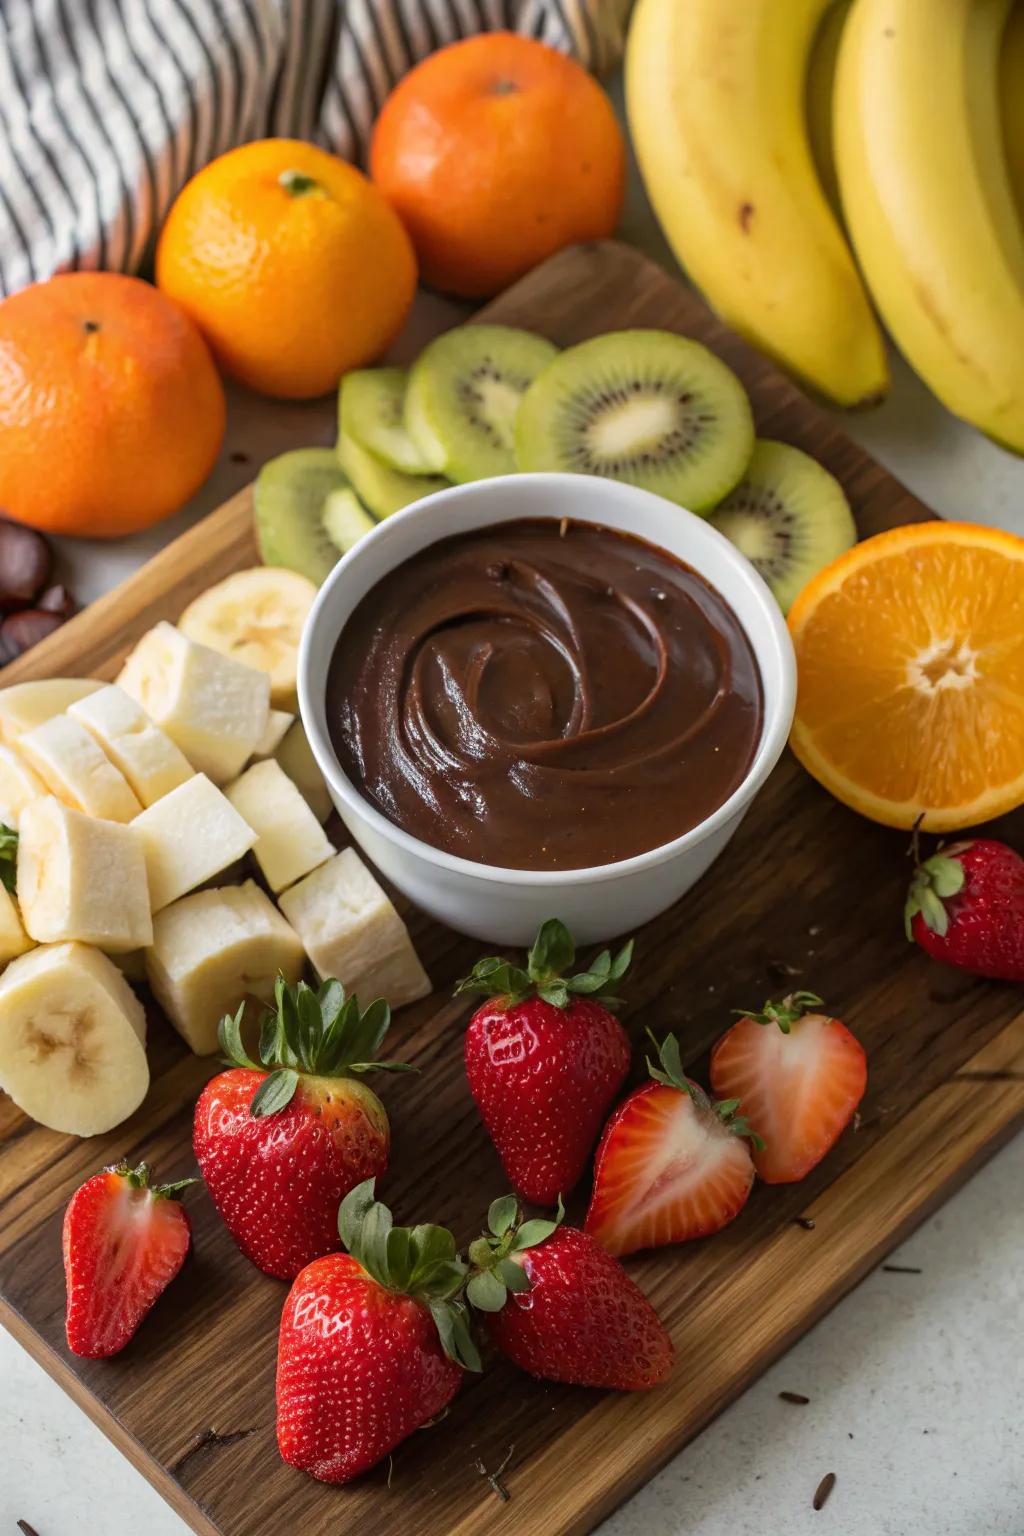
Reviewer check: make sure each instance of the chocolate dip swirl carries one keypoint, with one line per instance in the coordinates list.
(540, 695)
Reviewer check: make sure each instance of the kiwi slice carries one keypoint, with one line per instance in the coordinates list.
(371, 403)
(382, 489)
(788, 515)
(346, 519)
(463, 396)
(288, 502)
(648, 407)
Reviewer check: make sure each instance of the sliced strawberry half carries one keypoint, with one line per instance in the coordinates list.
(124, 1242)
(799, 1076)
(670, 1166)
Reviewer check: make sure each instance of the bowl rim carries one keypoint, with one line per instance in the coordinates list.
(775, 727)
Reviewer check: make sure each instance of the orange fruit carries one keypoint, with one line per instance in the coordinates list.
(111, 409)
(291, 263)
(910, 657)
(496, 152)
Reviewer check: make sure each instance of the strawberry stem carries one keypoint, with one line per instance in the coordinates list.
(320, 1034)
(421, 1262)
(552, 954)
(784, 1014)
(934, 881)
(670, 1073)
(138, 1178)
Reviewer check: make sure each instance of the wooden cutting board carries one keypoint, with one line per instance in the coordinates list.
(806, 895)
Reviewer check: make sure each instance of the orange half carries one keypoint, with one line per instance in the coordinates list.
(910, 657)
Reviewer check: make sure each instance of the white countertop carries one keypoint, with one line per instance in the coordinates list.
(916, 1381)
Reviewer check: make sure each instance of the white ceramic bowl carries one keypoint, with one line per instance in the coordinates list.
(506, 906)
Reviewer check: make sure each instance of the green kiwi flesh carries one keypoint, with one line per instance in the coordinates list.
(346, 519)
(649, 408)
(380, 488)
(789, 516)
(371, 402)
(463, 397)
(288, 504)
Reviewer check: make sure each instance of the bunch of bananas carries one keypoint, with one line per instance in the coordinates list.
(763, 127)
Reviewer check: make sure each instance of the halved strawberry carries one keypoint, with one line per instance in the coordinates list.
(799, 1077)
(670, 1166)
(124, 1242)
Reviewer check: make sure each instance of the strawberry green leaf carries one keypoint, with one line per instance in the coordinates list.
(669, 1070)
(229, 1034)
(8, 858)
(453, 1331)
(784, 1014)
(399, 1252)
(502, 1214)
(352, 1212)
(532, 1233)
(331, 997)
(373, 1242)
(274, 1093)
(431, 1245)
(514, 1275)
(552, 953)
(486, 1291)
(557, 994)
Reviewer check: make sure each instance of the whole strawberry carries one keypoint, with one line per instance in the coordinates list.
(124, 1241)
(372, 1344)
(671, 1165)
(798, 1076)
(545, 1058)
(282, 1141)
(562, 1308)
(966, 907)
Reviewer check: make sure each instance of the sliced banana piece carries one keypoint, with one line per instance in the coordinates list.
(18, 785)
(296, 758)
(81, 878)
(213, 708)
(279, 722)
(72, 1040)
(350, 930)
(213, 949)
(290, 841)
(75, 769)
(256, 617)
(14, 941)
(147, 757)
(23, 706)
(188, 837)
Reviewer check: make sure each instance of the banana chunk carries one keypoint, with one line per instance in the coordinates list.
(290, 841)
(23, 706)
(14, 941)
(255, 616)
(72, 1040)
(77, 771)
(147, 757)
(18, 785)
(213, 949)
(213, 708)
(80, 878)
(188, 837)
(296, 758)
(279, 722)
(351, 930)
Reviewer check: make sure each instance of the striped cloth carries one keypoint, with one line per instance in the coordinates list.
(107, 107)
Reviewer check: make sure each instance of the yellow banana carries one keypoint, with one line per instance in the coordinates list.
(927, 198)
(821, 72)
(1011, 91)
(715, 98)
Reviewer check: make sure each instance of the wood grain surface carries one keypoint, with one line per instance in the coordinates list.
(806, 895)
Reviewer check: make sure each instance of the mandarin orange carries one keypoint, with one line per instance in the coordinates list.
(496, 152)
(111, 409)
(291, 263)
(910, 654)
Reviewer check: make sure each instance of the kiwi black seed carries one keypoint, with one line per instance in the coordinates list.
(463, 397)
(647, 407)
(788, 515)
